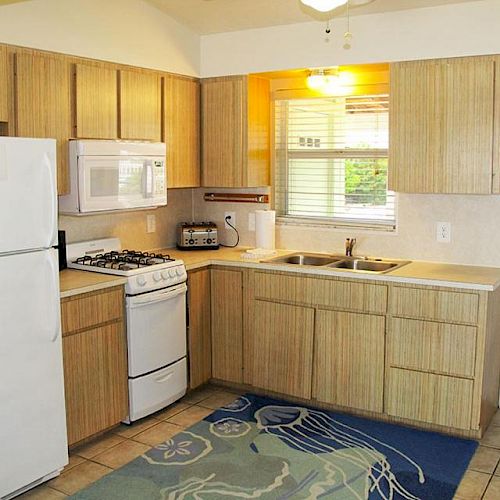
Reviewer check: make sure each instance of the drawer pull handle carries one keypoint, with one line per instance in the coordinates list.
(164, 378)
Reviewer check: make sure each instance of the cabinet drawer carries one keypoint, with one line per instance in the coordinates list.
(426, 397)
(431, 346)
(455, 307)
(319, 292)
(90, 309)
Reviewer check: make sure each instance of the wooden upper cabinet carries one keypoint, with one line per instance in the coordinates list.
(96, 100)
(235, 131)
(441, 122)
(140, 105)
(43, 104)
(182, 131)
(4, 85)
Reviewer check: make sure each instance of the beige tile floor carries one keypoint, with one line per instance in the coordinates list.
(94, 460)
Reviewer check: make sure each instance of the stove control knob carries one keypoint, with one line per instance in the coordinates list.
(141, 280)
(180, 271)
(171, 272)
(165, 275)
(157, 276)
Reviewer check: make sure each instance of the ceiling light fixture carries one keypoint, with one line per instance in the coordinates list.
(324, 5)
(330, 81)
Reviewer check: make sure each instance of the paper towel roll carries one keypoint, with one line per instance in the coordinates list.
(265, 229)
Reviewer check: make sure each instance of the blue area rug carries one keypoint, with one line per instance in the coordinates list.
(263, 448)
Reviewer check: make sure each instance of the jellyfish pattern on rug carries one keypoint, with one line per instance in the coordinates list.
(283, 452)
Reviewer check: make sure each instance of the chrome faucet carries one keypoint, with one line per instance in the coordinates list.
(349, 245)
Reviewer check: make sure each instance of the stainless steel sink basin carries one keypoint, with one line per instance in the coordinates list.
(304, 259)
(374, 266)
(339, 262)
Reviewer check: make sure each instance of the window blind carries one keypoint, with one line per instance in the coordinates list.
(331, 160)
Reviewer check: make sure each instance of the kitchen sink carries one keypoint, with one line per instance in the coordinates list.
(339, 262)
(376, 266)
(304, 259)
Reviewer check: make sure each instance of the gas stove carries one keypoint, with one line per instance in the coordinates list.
(145, 271)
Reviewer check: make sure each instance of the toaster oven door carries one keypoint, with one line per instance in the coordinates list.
(121, 182)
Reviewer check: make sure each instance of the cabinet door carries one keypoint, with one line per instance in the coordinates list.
(182, 131)
(223, 103)
(43, 107)
(95, 379)
(199, 340)
(441, 121)
(227, 325)
(349, 359)
(282, 348)
(259, 124)
(4, 85)
(428, 397)
(140, 106)
(96, 97)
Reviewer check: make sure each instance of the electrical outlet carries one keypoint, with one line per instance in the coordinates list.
(232, 219)
(443, 232)
(151, 223)
(251, 221)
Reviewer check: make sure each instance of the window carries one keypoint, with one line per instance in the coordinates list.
(331, 161)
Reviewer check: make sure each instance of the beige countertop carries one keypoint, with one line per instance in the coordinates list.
(417, 272)
(74, 282)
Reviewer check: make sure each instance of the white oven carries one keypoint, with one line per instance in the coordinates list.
(115, 175)
(156, 337)
(155, 291)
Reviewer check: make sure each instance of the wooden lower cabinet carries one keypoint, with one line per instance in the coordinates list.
(95, 362)
(227, 324)
(95, 380)
(349, 360)
(199, 331)
(420, 355)
(281, 355)
(431, 398)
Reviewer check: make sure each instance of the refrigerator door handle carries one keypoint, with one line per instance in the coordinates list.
(53, 189)
(56, 325)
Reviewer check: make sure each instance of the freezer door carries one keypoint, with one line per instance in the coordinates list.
(28, 194)
(32, 412)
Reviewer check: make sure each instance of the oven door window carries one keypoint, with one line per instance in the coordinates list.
(110, 183)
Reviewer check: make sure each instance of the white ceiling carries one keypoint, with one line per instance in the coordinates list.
(216, 16)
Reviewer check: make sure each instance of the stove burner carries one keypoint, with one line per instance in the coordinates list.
(126, 260)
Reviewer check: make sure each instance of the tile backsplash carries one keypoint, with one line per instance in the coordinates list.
(131, 227)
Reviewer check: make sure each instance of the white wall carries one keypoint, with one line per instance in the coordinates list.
(451, 30)
(124, 31)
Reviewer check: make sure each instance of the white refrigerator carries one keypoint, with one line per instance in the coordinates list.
(33, 446)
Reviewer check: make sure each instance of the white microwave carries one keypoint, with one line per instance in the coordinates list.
(108, 175)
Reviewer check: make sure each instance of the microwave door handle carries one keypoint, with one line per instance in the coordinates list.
(144, 181)
(148, 193)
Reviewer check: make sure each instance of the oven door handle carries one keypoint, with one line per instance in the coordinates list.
(153, 298)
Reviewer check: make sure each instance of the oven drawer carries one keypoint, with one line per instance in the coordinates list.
(156, 390)
(156, 329)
